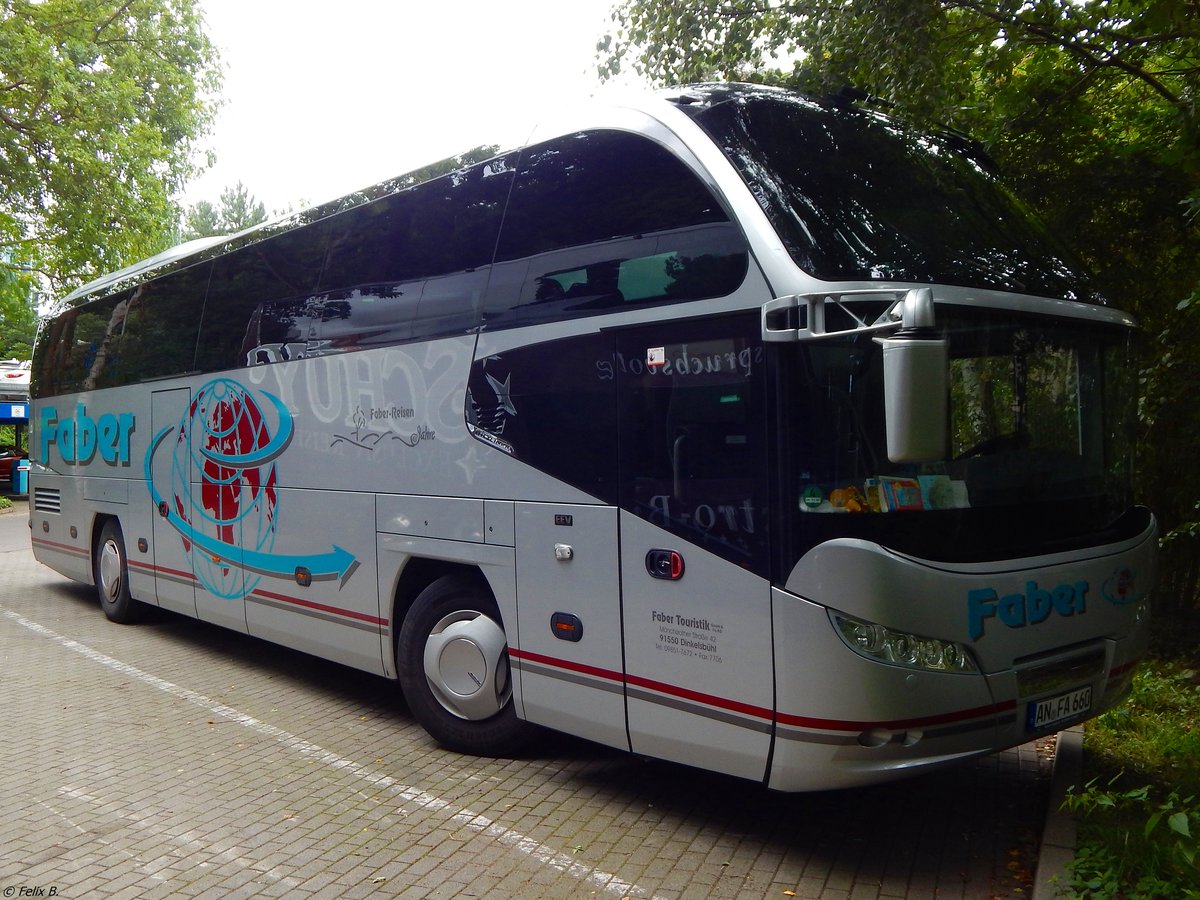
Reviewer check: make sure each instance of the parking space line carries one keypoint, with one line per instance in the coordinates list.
(561, 862)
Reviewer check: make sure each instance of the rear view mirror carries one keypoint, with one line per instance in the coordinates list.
(916, 387)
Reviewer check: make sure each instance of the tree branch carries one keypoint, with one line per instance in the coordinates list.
(1100, 57)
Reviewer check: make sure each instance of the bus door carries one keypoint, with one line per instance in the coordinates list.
(569, 619)
(694, 586)
(171, 484)
(552, 405)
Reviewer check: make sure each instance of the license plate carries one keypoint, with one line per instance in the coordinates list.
(1052, 710)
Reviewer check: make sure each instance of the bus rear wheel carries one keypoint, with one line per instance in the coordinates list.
(452, 659)
(110, 569)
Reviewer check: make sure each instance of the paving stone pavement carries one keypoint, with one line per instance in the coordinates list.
(173, 758)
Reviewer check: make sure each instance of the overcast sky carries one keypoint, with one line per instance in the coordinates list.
(322, 98)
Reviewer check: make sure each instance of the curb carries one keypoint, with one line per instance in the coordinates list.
(1058, 833)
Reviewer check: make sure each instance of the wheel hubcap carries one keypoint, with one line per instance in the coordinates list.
(466, 664)
(110, 571)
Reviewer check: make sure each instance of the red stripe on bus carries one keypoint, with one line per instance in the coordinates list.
(309, 604)
(594, 671)
(746, 709)
(71, 548)
(283, 598)
(944, 719)
(760, 712)
(159, 570)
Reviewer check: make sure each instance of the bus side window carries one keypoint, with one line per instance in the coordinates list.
(433, 242)
(161, 325)
(257, 287)
(606, 219)
(361, 318)
(553, 406)
(86, 343)
(280, 331)
(693, 448)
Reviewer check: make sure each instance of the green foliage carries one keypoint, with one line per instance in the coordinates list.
(18, 318)
(1089, 108)
(1139, 819)
(237, 210)
(1155, 734)
(101, 103)
(1155, 855)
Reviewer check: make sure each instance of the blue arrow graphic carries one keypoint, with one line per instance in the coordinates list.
(338, 563)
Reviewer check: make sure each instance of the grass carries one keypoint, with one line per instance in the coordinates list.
(1139, 811)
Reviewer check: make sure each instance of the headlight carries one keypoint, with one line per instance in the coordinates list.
(901, 648)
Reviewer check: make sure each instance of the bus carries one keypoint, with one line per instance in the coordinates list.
(755, 432)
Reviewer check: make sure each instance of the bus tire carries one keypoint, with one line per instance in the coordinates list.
(452, 660)
(110, 569)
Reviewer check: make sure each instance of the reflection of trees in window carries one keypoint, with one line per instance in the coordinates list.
(437, 228)
(598, 220)
(162, 324)
(279, 272)
(361, 318)
(695, 277)
(104, 368)
(595, 186)
(981, 399)
(1030, 396)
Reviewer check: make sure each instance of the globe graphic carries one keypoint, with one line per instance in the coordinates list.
(232, 504)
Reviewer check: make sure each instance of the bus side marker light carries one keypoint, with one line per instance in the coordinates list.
(143, 545)
(566, 627)
(303, 576)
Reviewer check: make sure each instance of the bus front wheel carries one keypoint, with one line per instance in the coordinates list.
(111, 571)
(452, 659)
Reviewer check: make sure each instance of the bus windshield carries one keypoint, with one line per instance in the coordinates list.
(855, 195)
(1041, 436)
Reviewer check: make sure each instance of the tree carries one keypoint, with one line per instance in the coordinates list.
(1087, 105)
(101, 103)
(18, 318)
(237, 211)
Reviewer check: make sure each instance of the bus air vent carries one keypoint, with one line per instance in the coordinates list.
(47, 500)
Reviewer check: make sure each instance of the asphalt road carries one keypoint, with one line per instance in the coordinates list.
(174, 758)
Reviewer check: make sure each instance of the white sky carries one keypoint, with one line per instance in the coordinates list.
(323, 98)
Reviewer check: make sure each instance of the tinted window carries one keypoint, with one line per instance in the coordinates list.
(257, 294)
(81, 349)
(856, 195)
(693, 450)
(407, 266)
(280, 330)
(601, 220)
(436, 228)
(364, 317)
(553, 406)
(450, 305)
(161, 326)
